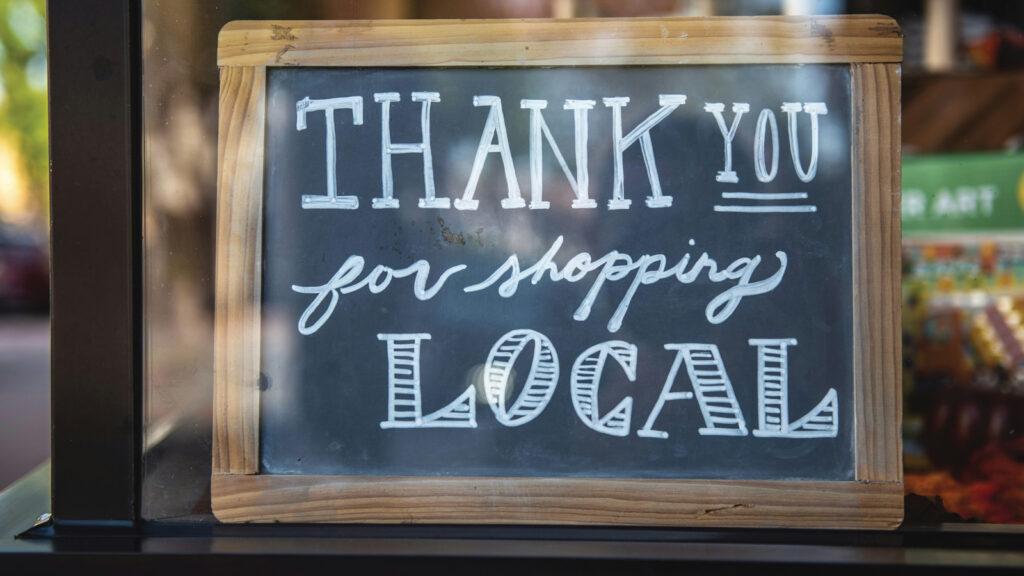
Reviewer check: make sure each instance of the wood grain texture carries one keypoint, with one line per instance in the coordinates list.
(877, 254)
(239, 241)
(393, 500)
(585, 42)
(240, 494)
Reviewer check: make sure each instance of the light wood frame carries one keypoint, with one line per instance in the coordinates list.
(871, 45)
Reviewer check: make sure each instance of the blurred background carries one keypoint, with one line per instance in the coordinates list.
(24, 261)
(963, 217)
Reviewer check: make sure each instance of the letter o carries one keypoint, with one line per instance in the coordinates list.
(767, 117)
(540, 382)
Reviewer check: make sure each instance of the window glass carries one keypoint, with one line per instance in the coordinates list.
(963, 213)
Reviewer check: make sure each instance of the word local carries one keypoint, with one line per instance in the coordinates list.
(711, 387)
(494, 139)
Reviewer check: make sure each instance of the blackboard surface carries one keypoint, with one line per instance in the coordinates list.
(325, 394)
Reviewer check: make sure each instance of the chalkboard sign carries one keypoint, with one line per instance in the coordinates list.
(494, 288)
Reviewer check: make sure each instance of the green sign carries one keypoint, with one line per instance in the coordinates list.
(963, 193)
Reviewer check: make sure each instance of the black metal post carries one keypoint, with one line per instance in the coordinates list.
(95, 243)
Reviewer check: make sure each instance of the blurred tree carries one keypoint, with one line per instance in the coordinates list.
(23, 114)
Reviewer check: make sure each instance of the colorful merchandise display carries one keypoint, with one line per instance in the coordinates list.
(963, 324)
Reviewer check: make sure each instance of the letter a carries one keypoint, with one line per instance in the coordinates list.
(495, 126)
(721, 411)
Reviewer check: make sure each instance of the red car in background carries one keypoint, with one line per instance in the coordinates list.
(24, 270)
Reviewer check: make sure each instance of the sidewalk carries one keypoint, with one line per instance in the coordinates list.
(24, 394)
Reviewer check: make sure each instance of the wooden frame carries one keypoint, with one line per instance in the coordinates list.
(872, 45)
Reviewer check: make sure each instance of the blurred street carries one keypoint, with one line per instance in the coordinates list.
(24, 394)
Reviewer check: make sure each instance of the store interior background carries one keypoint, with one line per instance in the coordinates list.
(963, 215)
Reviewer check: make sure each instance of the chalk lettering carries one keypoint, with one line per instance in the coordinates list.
(494, 127)
(404, 398)
(642, 132)
(728, 134)
(585, 380)
(773, 397)
(343, 282)
(540, 380)
(539, 127)
(302, 107)
(813, 109)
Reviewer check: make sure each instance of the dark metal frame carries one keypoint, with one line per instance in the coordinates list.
(96, 246)
(95, 239)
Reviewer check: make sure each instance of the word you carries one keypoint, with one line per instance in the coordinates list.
(494, 140)
(710, 386)
(612, 267)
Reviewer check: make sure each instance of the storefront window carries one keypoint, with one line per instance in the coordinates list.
(963, 222)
